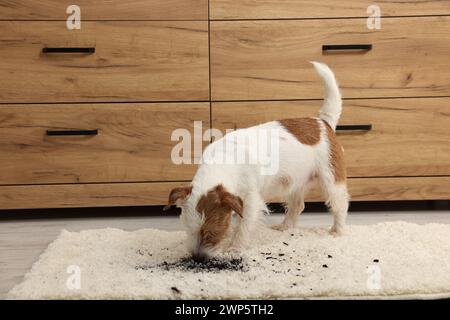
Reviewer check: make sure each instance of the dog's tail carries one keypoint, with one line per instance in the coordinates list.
(332, 105)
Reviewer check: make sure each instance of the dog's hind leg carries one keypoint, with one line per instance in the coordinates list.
(337, 202)
(333, 178)
(337, 199)
(295, 206)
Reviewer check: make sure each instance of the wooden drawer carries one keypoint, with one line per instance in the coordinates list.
(410, 137)
(133, 61)
(268, 60)
(106, 9)
(283, 9)
(155, 193)
(133, 143)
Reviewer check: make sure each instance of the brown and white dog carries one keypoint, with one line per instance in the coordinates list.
(299, 150)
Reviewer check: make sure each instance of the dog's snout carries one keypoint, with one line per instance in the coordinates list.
(199, 257)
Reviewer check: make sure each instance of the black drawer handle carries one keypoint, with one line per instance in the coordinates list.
(353, 127)
(335, 47)
(72, 132)
(88, 50)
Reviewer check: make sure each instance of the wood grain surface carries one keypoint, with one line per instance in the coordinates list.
(133, 61)
(133, 142)
(283, 9)
(268, 60)
(106, 9)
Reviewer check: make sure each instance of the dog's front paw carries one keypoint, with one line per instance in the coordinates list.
(235, 249)
(337, 231)
(280, 227)
(236, 245)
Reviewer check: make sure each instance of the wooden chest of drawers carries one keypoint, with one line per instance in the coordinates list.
(94, 127)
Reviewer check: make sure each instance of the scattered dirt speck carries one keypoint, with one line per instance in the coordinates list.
(175, 289)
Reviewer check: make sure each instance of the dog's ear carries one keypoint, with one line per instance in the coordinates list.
(235, 203)
(230, 200)
(177, 195)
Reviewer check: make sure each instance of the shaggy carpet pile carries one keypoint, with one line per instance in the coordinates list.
(382, 260)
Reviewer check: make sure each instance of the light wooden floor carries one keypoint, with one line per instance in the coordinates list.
(22, 241)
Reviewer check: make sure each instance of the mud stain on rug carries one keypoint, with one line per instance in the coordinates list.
(210, 265)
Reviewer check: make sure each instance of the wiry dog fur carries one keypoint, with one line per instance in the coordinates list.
(308, 150)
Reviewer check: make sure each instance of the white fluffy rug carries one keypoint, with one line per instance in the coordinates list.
(387, 259)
